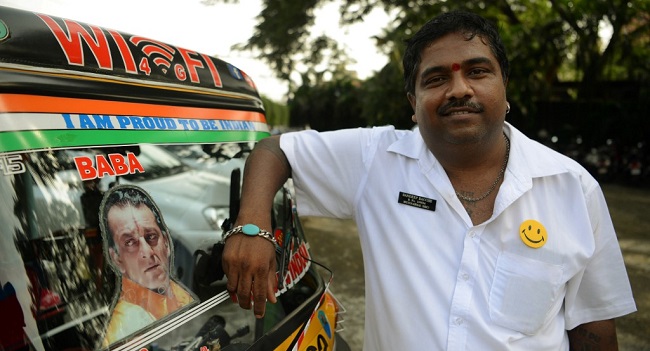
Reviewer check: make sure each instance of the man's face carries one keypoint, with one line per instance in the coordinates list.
(454, 70)
(143, 251)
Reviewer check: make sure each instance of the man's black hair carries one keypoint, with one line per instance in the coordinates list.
(467, 23)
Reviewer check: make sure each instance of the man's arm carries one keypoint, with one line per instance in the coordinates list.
(594, 336)
(249, 262)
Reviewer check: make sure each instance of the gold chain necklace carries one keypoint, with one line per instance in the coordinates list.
(496, 181)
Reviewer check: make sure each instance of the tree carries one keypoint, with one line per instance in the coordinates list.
(548, 41)
(328, 105)
(276, 114)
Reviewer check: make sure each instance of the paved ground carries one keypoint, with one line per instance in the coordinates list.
(335, 244)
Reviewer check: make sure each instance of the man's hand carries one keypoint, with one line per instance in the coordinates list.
(249, 264)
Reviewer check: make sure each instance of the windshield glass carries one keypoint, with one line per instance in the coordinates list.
(55, 242)
(158, 162)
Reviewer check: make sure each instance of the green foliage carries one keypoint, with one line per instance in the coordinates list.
(384, 99)
(330, 105)
(548, 41)
(277, 114)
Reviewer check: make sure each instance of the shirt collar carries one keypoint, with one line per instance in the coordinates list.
(528, 159)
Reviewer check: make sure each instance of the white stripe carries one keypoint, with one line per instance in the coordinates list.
(77, 321)
(10, 122)
(154, 334)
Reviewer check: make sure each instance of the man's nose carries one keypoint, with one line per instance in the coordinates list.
(459, 87)
(145, 249)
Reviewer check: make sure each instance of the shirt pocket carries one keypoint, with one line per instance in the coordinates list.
(523, 292)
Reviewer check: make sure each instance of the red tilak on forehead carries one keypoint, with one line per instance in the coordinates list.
(455, 67)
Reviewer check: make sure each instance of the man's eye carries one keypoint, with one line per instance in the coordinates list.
(151, 238)
(129, 243)
(477, 71)
(435, 80)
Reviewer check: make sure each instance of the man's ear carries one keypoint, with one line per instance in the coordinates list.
(412, 100)
(117, 261)
(167, 244)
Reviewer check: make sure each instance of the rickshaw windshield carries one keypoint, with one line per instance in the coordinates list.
(55, 246)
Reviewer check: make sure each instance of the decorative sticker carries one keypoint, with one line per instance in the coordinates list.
(30, 122)
(139, 248)
(533, 233)
(4, 31)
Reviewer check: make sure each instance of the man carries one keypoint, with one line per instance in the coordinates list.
(474, 236)
(139, 249)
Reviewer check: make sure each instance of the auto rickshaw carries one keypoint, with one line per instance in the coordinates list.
(92, 118)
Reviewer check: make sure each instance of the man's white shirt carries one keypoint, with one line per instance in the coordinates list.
(434, 281)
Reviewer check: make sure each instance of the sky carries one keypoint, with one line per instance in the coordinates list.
(213, 30)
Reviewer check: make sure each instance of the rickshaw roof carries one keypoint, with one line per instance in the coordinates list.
(43, 53)
(64, 83)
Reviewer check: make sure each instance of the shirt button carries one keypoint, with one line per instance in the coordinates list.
(458, 321)
(465, 276)
(472, 234)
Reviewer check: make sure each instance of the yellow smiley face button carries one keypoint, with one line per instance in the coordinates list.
(533, 233)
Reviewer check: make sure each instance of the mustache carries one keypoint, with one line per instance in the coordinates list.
(464, 103)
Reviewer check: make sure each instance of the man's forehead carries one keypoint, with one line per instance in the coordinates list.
(139, 208)
(453, 51)
(131, 216)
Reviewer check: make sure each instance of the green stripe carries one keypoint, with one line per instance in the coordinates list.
(28, 140)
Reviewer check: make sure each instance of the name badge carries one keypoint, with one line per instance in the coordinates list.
(417, 201)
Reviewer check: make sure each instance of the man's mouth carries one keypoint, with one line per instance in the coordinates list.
(156, 266)
(463, 112)
(460, 107)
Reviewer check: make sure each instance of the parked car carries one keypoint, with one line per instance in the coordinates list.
(89, 115)
(219, 158)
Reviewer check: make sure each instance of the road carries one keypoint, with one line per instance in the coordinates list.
(335, 244)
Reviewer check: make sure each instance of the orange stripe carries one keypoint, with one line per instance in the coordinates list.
(49, 104)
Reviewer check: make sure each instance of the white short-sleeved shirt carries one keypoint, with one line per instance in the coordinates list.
(434, 281)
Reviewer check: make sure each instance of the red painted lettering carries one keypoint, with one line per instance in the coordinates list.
(134, 164)
(103, 166)
(70, 42)
(127, 56)
(85, 168)
(303, 251)
(180, 72)
(249, 80)
(216, 78)
(115, 165)
(154, 47)
(191, 64)
(120, 167)
(144, 66)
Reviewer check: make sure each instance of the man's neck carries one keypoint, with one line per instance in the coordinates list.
(470, 159)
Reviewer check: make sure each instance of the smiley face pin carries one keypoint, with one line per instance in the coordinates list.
(533, 233)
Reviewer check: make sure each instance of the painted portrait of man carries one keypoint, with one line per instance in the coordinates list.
(139, 249)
